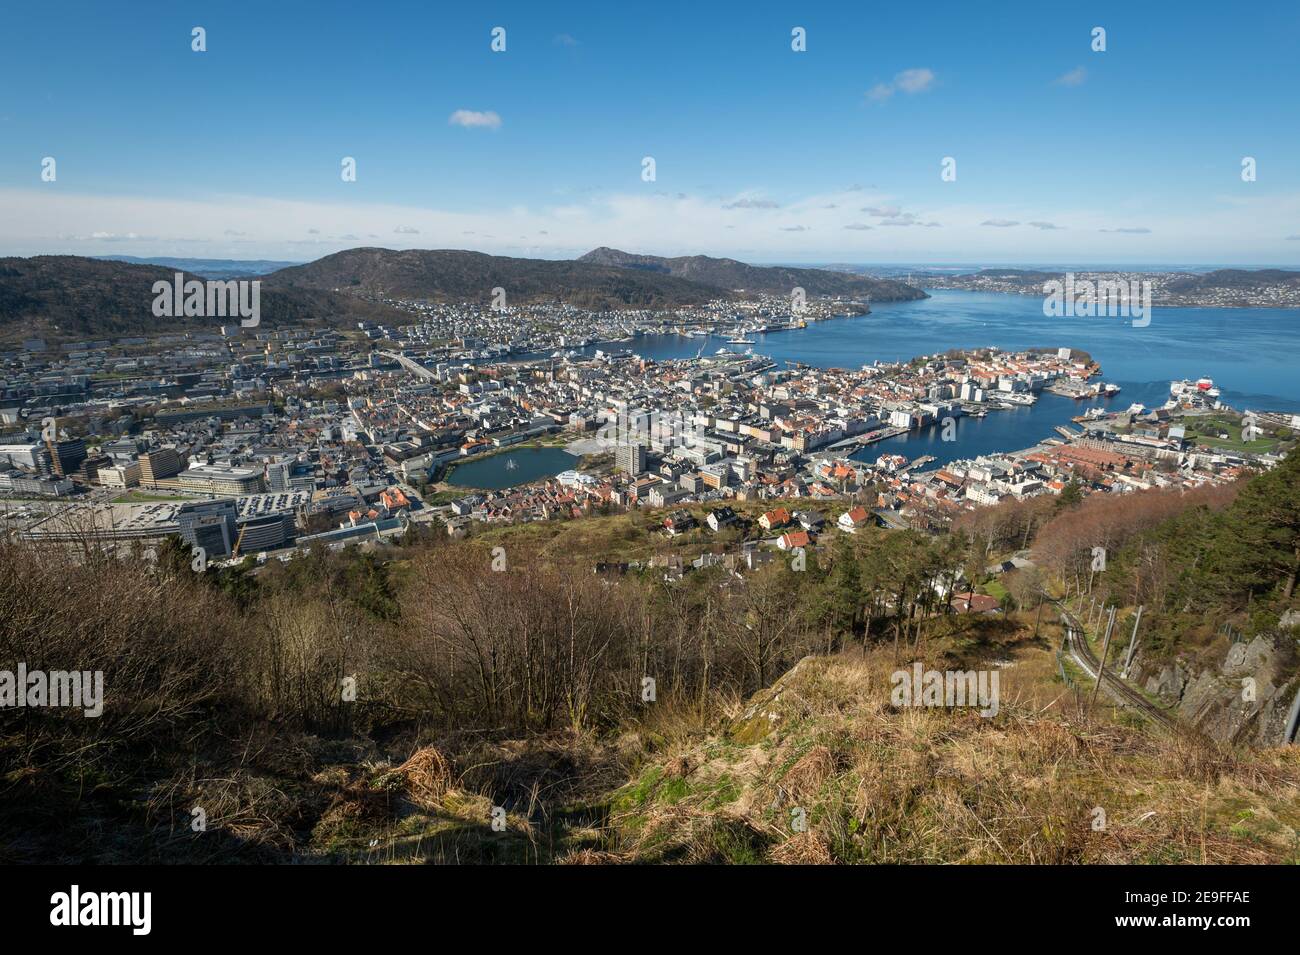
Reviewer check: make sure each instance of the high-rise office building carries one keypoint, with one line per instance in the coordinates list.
(210, 525)
(66, 456)
(162, 463)
(630, 458)
(279, 473)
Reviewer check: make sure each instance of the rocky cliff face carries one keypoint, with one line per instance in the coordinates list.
(1246, 699)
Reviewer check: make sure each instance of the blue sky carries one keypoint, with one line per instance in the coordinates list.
(833, 154)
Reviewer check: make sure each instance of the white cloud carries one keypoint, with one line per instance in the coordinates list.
(1252, 230)
(1075, 77)
(894, 216)
(472, 118)
(916, 80)
(1000, 223)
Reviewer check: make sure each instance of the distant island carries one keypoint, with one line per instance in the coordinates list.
(1221, 288)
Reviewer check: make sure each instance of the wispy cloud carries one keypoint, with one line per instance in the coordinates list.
(472, 118)
(564, 39)
(1075, 77)
(916, 80)
(751, 204)
(1000, 223)
(115, 237)
(894, 216)
(1046, 226)
(45, 221)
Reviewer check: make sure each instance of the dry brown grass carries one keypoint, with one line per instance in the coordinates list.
(428, 777)
(920, 785)
(590, 857)
(804, 848)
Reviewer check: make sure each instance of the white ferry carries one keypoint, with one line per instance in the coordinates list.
(1018, 398)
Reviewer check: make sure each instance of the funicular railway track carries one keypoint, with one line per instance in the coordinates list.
(1077, 645)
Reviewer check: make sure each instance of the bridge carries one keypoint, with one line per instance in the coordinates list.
(410, 364)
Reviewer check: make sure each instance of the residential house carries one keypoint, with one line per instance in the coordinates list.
(777, 517)
(721, 517)
(793, 540)
(853, 519)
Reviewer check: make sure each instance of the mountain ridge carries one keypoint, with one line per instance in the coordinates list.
(69, 297)
(459, 275)
(734, 275)
(65, 297)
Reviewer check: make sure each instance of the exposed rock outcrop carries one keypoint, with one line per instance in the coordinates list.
(1246, 699)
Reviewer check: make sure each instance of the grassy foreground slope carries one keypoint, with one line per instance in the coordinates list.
(880, 785)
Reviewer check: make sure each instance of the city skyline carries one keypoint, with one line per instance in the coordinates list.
(761, 152)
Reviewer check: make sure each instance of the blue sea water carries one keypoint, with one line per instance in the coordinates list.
(1253, 355)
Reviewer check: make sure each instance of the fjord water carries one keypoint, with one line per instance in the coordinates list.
(1253, 355)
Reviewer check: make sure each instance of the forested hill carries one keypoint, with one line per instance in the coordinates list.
(771, 279)
(67, 297)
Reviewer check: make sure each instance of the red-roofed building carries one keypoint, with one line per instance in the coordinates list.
(851, 520)
(794, 539)
(975, 603)
(778, 517)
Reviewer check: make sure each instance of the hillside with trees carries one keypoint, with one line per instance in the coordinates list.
(731, 275)
(454, 275)
(69, 297)
(376, 706)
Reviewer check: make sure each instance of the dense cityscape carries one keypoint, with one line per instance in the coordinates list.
(252, 443)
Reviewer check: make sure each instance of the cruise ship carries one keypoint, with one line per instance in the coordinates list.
(1018, 398)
